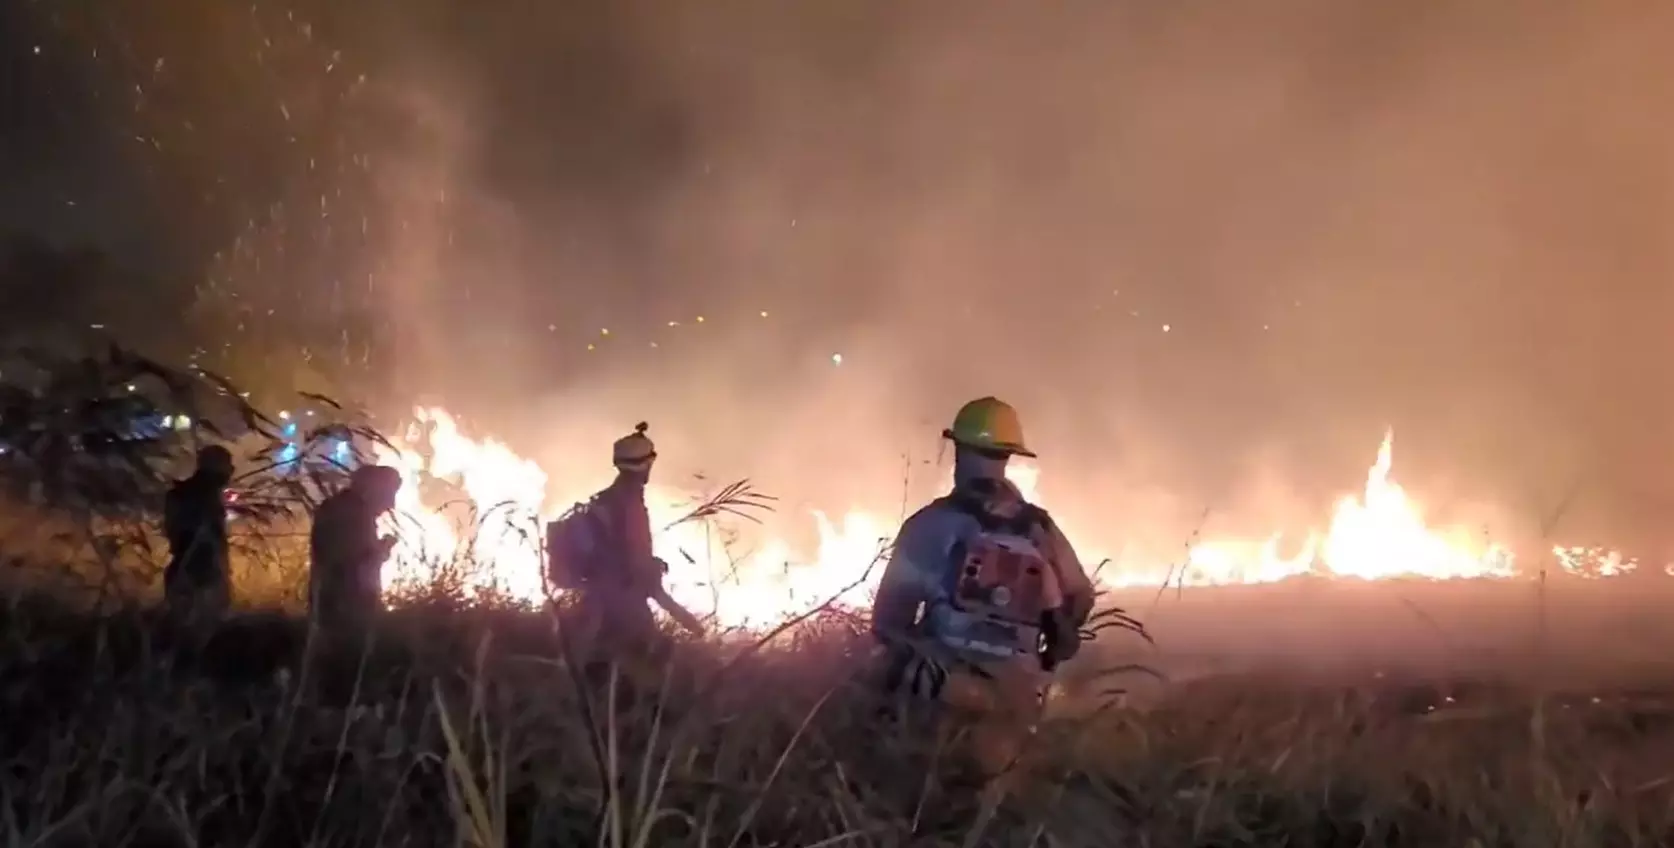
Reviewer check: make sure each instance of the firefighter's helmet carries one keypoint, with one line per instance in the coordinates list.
(635, 451)
(988, 424)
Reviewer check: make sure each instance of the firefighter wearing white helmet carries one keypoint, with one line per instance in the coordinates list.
(603, 550)
(635, 453)
(983, 596)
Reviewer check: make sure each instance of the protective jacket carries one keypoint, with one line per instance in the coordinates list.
(628, 560)
(623, 573)
(980, 600)
(986, 577)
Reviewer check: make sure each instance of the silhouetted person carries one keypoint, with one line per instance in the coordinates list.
(619, 591)
(347, 555)
(604, 553)
(196, 583)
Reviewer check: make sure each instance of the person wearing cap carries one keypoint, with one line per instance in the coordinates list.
(347, 555)
(196, 581)
(982, 596)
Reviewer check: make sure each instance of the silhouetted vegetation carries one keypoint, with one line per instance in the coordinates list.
(465, 722)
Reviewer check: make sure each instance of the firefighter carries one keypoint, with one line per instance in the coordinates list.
(346, 553)
(982, 597)
(605, 553)
(196, 583)
(627, 574)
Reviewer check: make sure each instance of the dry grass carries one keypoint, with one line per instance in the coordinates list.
(466, 724)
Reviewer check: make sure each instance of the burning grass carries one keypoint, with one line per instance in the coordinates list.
(467, 723)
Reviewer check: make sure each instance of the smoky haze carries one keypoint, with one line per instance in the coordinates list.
(1211, 250)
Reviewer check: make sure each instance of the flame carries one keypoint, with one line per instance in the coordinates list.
(1384, 535)
(503, 493)
(755, 583)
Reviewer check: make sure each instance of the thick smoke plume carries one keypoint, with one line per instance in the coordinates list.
(1210, 249)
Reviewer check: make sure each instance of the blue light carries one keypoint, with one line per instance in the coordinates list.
(290, 430)
(341, 451)
(289, 453)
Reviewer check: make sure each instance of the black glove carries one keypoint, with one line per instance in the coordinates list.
(907, 670)
(1060, 639)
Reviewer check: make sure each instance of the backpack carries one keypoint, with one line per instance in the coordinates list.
(999, 588)
(574, 543)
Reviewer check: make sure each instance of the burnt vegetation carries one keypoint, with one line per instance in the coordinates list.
(464, 722)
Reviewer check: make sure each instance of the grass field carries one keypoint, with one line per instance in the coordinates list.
(466, 726)
(1306, 716)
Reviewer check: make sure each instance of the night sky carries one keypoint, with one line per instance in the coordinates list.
(1212, 250)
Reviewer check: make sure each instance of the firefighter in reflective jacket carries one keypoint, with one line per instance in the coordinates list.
(983, 596)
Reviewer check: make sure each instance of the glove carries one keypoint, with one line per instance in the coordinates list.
(905, 669)
(1060, 639)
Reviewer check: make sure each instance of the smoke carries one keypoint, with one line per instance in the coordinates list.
(1210, 250)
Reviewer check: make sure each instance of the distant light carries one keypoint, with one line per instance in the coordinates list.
(592, 347)
(310, 413)
(836, 359)
(284, 415)
(764, 313)
(97, 326)
(604, 331)
(674, 323)
(700, 319)
(132, 387)
(182, 422)
(1166, 328)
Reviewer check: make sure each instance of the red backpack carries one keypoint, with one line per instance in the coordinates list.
(999, 586)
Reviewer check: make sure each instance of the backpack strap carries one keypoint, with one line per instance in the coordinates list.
(1029, 518)
(1025, 523)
